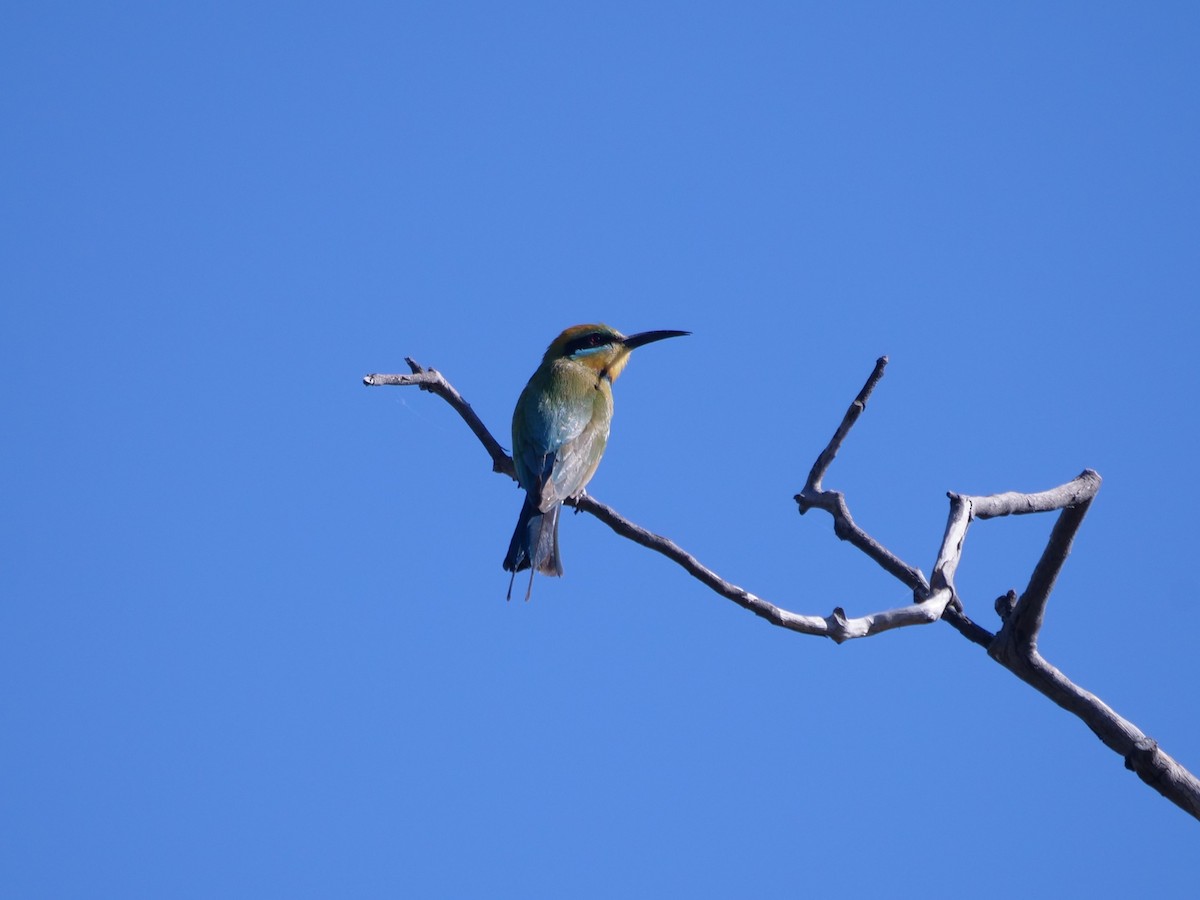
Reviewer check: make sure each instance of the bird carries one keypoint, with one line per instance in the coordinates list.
(559, 431)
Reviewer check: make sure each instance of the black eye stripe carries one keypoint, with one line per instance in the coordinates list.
(586, 341)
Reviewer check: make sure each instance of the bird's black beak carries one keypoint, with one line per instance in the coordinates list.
(649, 337)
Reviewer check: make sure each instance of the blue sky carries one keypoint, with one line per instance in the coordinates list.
(253, 637)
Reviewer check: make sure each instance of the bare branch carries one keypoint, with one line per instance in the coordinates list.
(813, 496)
(1074, 498)
(1025, 621)
(825, 460)
(1141, 753)
(1080, 489)
(972, 631)
(952, 542)
(433, 381)
(836, 626)
(1014, 646)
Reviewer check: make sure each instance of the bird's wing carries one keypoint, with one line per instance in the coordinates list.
(576, 463)
(541, 432)
(556, 449)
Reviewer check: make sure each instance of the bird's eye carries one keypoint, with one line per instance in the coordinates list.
(589, 342)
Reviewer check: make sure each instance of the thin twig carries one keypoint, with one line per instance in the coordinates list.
(813, 496)
(433, 381)
(825, 459)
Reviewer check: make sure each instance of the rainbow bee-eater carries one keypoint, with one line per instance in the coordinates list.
(560, 428)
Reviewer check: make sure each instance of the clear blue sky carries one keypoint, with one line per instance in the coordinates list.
(253, 636)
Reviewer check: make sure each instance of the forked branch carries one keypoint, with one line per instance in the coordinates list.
(928, 606)
(1014, 646)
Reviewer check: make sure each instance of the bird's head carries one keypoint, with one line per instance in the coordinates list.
(603, 349)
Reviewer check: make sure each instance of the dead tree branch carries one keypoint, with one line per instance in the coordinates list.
(837, 626)
(1014, 646)
(433, 381)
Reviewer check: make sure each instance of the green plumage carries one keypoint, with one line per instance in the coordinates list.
(560, 429)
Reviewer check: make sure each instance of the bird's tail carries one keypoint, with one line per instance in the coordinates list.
(534, 543)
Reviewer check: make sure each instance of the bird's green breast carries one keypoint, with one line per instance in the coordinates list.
(560, 427)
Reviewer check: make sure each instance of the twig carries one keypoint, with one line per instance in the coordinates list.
(813, 496)
(825, 459)
(433, 381)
